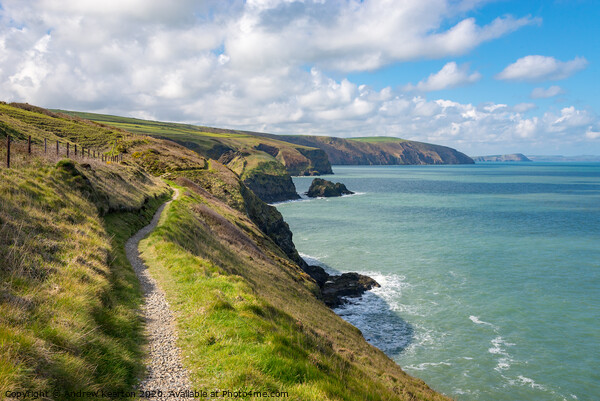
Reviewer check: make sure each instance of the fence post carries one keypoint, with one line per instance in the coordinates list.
(75, 150)
(57, 147)
(45, 145)
(67, 149)
(7, 151)
(29, 144)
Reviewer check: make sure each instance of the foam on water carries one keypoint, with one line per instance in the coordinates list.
(476, 320)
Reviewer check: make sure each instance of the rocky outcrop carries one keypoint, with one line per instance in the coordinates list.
(514, 157)
(335, 289)
(271, 188)
(324, 188)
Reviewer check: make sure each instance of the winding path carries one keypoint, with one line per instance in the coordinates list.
(165, 371)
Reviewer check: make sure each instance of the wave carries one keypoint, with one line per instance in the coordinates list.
(425, 365)
(476, 320)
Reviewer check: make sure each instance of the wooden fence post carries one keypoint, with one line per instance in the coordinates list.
(67, 149)
(7, 151)
(45, 145)
(75, 150)
(29, 144)
(57, 147)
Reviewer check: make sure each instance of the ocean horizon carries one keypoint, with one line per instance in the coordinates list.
(489, 273)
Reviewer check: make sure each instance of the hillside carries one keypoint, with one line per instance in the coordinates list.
(513, 157)
(248, 317)
(379, 150)
(264, 164)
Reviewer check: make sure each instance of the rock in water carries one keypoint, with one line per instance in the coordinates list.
(346, 285)
(321, 187)
(335, 288)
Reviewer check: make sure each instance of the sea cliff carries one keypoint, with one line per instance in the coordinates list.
(224, 258)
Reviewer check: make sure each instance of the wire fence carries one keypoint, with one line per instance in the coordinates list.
(16, 153)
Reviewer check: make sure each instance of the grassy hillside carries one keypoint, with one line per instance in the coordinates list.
(248, 316)
(265, 164)
(68, 298)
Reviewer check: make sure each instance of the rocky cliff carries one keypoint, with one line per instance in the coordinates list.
(380, 151)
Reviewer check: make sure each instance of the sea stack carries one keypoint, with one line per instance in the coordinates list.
(324, 188)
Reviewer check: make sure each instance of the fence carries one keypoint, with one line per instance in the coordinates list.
(64, 148)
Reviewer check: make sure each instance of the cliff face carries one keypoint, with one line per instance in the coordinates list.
(381, 151)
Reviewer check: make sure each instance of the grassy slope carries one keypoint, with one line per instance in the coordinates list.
(211, 142)
(248, 319)
(68, 298)
(247, 314)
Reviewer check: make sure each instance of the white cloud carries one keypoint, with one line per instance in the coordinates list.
(542, 93)
(265, 65)
(540, 68)
(450, 76)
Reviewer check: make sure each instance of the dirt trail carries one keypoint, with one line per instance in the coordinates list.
(164, 371)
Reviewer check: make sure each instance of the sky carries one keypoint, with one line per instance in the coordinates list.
(481, 76)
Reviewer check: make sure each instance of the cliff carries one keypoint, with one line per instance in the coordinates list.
(224, 259)
(380, 150)
(514, 157)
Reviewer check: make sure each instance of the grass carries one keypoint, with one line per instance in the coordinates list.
(68, 298)
(247, 319)
(247, 315)
(212, 142)
(377, 139)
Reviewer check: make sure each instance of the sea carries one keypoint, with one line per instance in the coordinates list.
(489, 273)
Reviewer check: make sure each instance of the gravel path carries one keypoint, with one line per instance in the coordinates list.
(165, 371)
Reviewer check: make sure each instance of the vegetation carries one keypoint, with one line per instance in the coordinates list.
(248, 316)
(247, 153)
(68, 299)
(240, 331)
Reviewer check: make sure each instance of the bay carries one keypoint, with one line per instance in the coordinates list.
(490, 273)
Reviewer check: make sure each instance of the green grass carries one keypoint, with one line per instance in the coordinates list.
(377, 139)
(247, 315)
(245, 321)
(68, 297)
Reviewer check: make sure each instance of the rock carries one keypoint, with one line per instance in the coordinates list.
(321, 187)
(318, 274)
(335, 288)
(346, 285)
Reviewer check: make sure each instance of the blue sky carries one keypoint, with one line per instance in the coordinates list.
(484, 77)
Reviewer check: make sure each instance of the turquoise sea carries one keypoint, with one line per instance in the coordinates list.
(489, 273)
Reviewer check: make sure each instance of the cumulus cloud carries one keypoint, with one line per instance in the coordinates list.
(450, 76)
(541, 68)
(264, 65)
(542, 93)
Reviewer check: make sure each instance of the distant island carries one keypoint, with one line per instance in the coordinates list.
(558, 158)
(513, 157)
